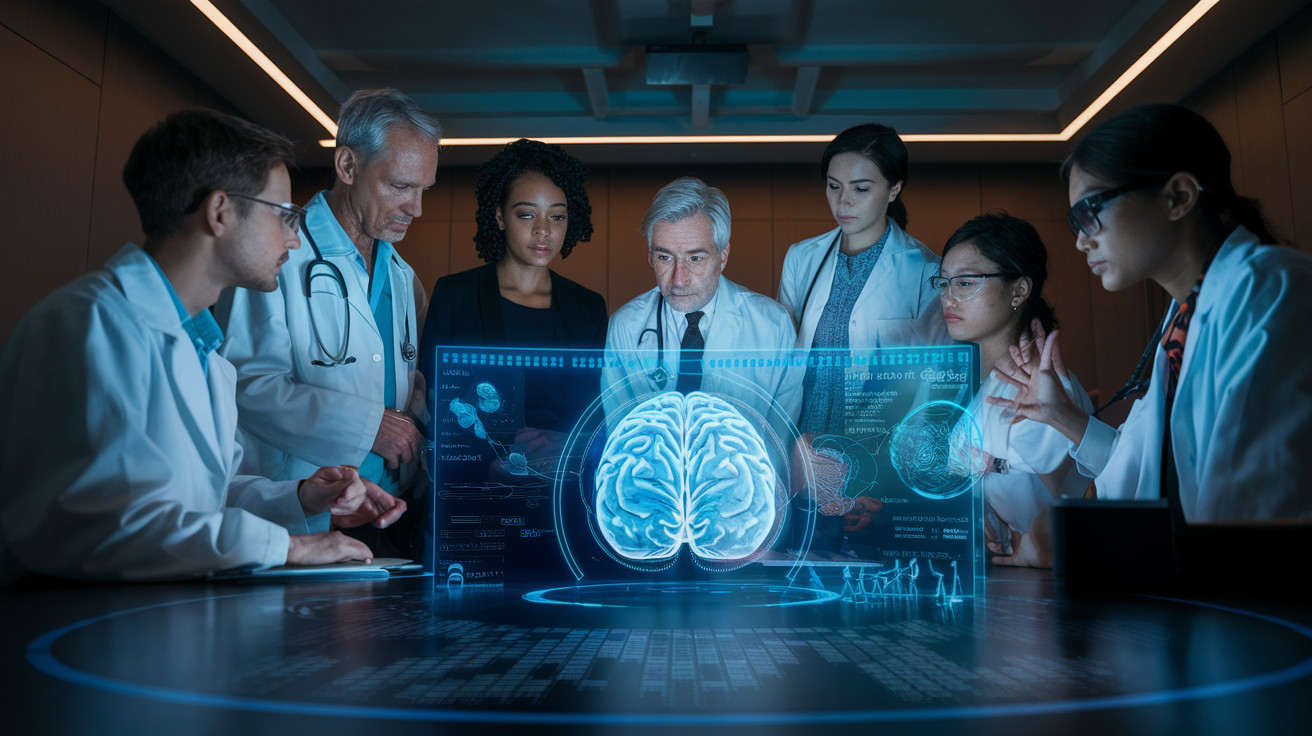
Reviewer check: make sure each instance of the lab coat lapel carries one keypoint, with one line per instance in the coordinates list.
(824, 281)
(727, 329)
(144, 288)
(877, 293)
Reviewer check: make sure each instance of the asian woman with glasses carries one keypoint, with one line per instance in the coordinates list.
(1224, 431)
(991, 287)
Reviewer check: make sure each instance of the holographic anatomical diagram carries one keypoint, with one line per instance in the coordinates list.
(686, 470)
(933, 450)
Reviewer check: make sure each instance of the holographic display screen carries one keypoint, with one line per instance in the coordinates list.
(571, 465)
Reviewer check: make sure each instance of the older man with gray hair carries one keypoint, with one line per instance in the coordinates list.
(326, 362)
(677, 337)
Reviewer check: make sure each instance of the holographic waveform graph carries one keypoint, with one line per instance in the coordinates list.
(685, 470)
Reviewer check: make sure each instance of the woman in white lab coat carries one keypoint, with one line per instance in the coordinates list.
(1225, 429)
(991, 287)
(863, 285)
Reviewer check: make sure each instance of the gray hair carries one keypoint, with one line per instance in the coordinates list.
(367, 115)
(689, 197)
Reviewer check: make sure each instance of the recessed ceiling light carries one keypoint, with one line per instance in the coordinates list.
(1156, 50)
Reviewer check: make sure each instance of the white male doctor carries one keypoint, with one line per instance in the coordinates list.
(674, 336)
(118, 452)
(326, 362)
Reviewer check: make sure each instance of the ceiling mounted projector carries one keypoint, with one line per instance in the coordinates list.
(697, 64)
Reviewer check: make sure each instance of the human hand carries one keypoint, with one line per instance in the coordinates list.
(335, 488)
(1030, 549)
(398, 440)
(1036, 368)
(378, 507)
(539, 444)
(325, 548)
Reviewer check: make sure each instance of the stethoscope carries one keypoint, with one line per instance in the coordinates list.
(829, 252)
(659, 376)
(408, 350)
(1136, 384)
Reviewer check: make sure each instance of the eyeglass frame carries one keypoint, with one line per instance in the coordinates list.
(1094, 203)
(286, 210)
(983, 277)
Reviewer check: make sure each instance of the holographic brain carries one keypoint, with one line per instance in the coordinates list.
(685, 470)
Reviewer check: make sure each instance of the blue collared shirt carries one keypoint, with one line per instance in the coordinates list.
(205, 334)
(333, 242)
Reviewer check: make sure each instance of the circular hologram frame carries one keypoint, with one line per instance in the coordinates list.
(656, 594)
(933, 450)
(270, 651)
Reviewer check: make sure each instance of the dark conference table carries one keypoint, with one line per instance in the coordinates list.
(402, 655)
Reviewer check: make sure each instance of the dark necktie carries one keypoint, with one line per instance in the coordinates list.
(690, 355)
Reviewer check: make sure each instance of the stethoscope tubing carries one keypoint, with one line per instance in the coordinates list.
(408, 350)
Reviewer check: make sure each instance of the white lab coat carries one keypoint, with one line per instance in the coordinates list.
(118, 454)
(743, 321)
(298, 416)
(1038, 464)
(1241, 425)
(896, 308)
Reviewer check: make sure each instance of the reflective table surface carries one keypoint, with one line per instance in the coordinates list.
(403, 655)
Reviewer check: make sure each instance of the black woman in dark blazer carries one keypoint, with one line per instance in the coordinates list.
(532, 206)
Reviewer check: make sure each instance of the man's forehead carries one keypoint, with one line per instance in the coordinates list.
(689, 235)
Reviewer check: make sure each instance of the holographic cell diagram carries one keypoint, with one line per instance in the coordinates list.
(934, 450)
(688, 470)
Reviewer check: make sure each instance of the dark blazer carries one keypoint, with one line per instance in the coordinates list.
(466, 310)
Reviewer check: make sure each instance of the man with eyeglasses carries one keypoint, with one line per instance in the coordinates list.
(326, 362)
(118, 458)
(657, 342)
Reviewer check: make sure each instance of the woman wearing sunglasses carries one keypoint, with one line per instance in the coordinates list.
(991, 287)
(1225, 429)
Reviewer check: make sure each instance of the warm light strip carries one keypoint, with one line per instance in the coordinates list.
(1156, 50)
(223, 24)
(1123, 81)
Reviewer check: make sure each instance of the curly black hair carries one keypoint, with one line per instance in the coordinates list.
(496, 175)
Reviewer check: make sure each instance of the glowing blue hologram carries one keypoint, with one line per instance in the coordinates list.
(843, 469)
(516, 464)
(935, 450)
(848, 593)
(513, 462)
(815, 581)
(685, 470)
(489, 399)
(466, 417)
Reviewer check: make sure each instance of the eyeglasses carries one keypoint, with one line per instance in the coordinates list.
(965, 286)
(291, 214)
(1083, 216)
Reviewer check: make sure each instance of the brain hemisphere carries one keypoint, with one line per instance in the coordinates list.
(685, 470)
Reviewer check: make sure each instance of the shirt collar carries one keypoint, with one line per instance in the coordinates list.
(331, 238)
(204, 332)
(679, 320)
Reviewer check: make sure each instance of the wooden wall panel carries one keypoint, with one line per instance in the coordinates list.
(1298, 121)
(798, 193)
(1027, 191)
(1260, 167)
(939, 198)
(46, 202)
(588, 264)
(72, 31)
(751, 261)
(142, 86)
(1295, 39)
